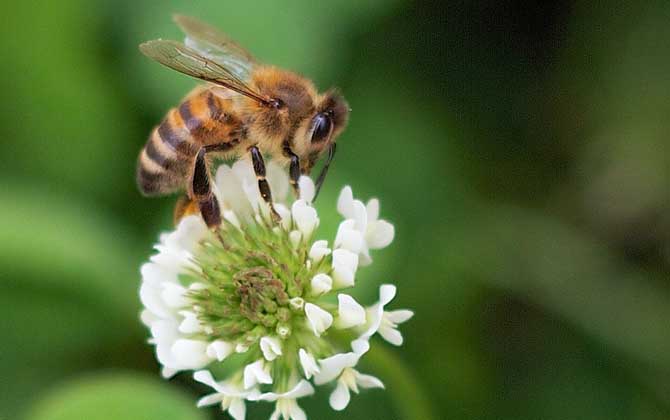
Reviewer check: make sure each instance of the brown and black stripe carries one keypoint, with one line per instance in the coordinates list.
(167, 158)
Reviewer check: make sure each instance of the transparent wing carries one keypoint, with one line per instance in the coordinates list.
(216, 46)
(185, 60)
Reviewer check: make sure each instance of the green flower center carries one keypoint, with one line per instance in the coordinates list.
(250, 276)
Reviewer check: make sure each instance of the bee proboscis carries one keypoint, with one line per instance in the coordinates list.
(244, 110)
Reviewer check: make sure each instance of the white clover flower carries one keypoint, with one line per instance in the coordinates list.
(287, 406)
(268, 294)
(340, 367)
(364, 220)
(386, 323)
(230, 395)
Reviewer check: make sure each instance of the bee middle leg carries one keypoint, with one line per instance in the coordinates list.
(263, 186)
(294, 169)
(202, 193)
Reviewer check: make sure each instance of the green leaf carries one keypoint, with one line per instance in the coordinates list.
(116, 396)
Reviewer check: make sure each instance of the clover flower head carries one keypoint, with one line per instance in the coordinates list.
(264, 306)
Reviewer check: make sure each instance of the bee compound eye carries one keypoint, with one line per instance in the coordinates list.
(321, 127)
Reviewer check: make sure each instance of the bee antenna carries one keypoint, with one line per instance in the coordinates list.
(324, 171)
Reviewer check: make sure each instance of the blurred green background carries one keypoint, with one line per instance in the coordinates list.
(520, 148)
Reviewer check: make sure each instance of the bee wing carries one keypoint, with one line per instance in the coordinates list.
(216, 46)
(185, 60)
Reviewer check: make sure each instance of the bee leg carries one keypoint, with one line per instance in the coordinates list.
(184, 207)
(263, 186)
(294, 169)
(202, 192)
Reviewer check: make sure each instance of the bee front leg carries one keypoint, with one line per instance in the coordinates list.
(202, 193)
(294, 169)
(263, 186)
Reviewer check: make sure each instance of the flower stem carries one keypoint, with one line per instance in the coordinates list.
(411, 398)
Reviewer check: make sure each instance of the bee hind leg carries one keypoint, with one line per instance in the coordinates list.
(202, 194)
(263, 186)
(185, 206)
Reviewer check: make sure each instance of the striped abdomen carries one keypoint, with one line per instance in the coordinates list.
(166, 161)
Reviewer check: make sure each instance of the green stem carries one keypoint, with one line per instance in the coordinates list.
(412, 400)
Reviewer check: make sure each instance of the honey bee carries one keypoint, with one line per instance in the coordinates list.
(244, 110)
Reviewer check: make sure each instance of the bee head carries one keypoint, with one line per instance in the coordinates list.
(297, 115)
(323, 127)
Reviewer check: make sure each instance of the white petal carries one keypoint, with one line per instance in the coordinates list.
(219, 350)
(255, 373)
(174, 295)
(173, 260)
(360, 347)
(386, 293)
(294, 237)
(197, 286)
(321, 283)
(373, 210)
(343, 277)
(319, 250)
(399, 316)
(148, 318)
(165, 330)
(278, 180)
(284, 214)
(345, 259)
(368, 381)
(308, 363)
(345, 264)
(190, 231)
(167, 372)
(191, 354)
(364, 258)
(345, 202)
(348, 237)
(301, 389)
(157, 274)
(231, 217)
(205, 377)
(165, 334)
(333, 366)
(237, 409)
(350, 312)
(360, 216)
(231, 192)
(318, 319)
(374, 317)
(340, 397)
(305, 217)
(190, 324)
(391, 335)
(243, 170)
(275, 414)
(296, 412)
(306, 188)
(380, 235)
(151, 299)
(210, 399)
(271, 348)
